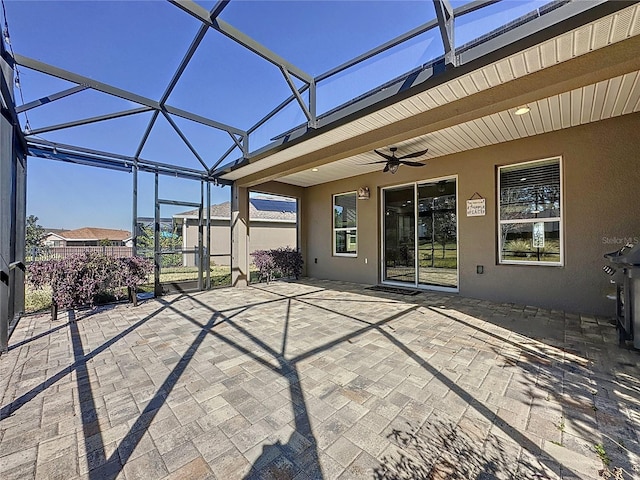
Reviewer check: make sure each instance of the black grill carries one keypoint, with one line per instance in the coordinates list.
(624, 268)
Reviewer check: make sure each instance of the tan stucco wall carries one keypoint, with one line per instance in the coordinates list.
(220, 241)
(601, 168)
(263, 236)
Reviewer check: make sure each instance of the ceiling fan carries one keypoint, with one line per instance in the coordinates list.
(393, 162)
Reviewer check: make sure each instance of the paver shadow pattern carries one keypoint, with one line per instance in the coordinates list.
(318, 380)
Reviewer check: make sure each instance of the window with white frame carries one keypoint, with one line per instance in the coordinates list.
(530, 212)
(345, 238)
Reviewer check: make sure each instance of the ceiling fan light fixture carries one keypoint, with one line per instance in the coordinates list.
(392, 163)
(522, 110)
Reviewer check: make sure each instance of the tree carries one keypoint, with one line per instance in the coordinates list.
(34, 234)
(169, 240)
(144, 239)
(445, 228)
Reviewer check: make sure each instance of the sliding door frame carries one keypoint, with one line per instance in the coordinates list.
(416, 213)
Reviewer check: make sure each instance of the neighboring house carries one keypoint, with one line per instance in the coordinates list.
(57, 231)
(273, 224)
(88, 237)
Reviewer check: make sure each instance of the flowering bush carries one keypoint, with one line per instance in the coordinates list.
(39, 273)
(85, 278)
(263, 261)
(135, 271)
(279, 262)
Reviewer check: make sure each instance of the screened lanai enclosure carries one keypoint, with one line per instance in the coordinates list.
(226, 93)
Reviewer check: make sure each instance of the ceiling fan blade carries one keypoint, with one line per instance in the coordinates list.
(372, 163)
(384, 155)
(412, 164)
(414, 155)
(386, 168)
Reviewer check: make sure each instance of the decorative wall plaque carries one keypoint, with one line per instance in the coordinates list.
(476, 206)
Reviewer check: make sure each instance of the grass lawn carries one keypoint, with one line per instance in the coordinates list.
(220, 274)
(36, 300)
(449, 260)
(178, 274)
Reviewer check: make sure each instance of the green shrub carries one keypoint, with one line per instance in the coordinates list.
(518, 248)
(37, 299)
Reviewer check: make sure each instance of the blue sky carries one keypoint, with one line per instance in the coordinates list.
(137, 45)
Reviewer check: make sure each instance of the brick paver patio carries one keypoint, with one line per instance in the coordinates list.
(318, 380)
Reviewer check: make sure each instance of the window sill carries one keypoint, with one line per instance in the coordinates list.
(540, 264)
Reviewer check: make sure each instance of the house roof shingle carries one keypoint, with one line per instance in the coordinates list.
(57, 231)
(94, 233)
(259, 209)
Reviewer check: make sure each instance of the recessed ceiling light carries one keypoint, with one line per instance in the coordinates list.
(314, 169)
(522, 110)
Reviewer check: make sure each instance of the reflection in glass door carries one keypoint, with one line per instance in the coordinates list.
(399, 235)
(437, 234)
(420, 234)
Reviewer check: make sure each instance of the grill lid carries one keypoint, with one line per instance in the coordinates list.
(629, 255)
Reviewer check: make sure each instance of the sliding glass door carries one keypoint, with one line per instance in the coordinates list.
(420, 234)
(437, 234)
(399, 235)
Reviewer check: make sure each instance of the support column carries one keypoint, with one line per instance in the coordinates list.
(239, 236)
(16, 306)
(302, 223)
(208, 247)
(134, 210)
(157, 257)
(6, 192)
(201, 262)
(444, 13)
(12, 205)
